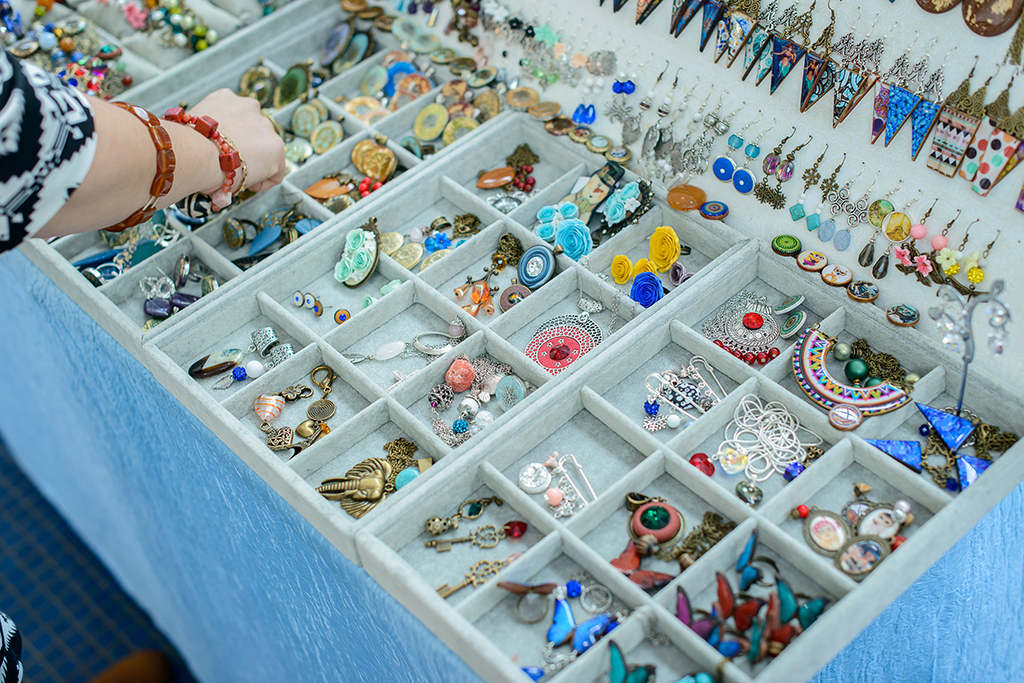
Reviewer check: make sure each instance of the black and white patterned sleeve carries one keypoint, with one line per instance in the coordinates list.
(47, 144)
(10, 651)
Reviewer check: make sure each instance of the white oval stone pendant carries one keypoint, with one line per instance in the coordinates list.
(389, 351)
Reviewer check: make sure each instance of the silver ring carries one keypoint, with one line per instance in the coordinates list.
(164, 288)
(181, 270)
(263, 340)
(109, 271)
(280, 354)
(147, 285)
(94, 277)
(597, 605)
(529, 618)
(535, 478)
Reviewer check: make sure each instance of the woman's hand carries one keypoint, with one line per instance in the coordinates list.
(253, 134)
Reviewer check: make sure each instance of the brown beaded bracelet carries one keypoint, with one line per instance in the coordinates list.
(164, 166)
(229, 158)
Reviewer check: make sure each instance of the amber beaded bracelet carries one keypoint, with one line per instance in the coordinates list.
(164, 167)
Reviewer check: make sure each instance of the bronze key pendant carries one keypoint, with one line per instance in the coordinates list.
(478, 574)
(486, 536)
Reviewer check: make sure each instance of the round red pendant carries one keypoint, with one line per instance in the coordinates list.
(753, 321)
(557, 348)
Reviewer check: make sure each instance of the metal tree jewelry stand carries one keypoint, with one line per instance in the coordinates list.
(955, 317)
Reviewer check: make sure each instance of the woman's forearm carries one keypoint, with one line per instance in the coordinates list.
(123, 169)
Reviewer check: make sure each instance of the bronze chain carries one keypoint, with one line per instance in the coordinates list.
(987, 438)
(882, 365)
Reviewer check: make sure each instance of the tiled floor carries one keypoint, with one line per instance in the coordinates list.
(74, 618)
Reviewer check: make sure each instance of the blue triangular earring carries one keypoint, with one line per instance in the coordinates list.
(970, 468)
(906, 452)
(953, 430)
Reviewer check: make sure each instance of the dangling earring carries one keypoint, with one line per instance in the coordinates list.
(828, 186)
(994, 113)
(920, 230)
(785, 172)
(837, 200)
(724, 167)
(774, 160)
(656, 131)
(976, 262)
(940, 242)
(951, 266)
(764, 193)
(811, 178)
(743, 178)
(624, 85)
(896, 227)
(879, 209)
(645, 103)
(817, 63)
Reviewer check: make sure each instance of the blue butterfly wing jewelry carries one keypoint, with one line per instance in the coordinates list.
(563, 623)
(642, 674)
(748, 552)
(589, 631)
(620, 673)
(787, 601)
(618, 665)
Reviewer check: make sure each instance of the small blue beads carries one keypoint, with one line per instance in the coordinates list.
(573, 589)
(924, 430)
(952, 484)
(460, 426)
(651, 407)
(239, 374)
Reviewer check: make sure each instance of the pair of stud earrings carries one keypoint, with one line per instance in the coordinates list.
(310, 301)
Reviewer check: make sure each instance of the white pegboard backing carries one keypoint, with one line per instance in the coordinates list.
(643, 51)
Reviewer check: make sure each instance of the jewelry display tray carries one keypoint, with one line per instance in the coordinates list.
(593, 409)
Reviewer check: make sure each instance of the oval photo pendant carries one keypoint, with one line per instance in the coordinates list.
(826, 532)
(862, 554)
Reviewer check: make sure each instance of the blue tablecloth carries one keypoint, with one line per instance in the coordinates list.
(249, 591)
